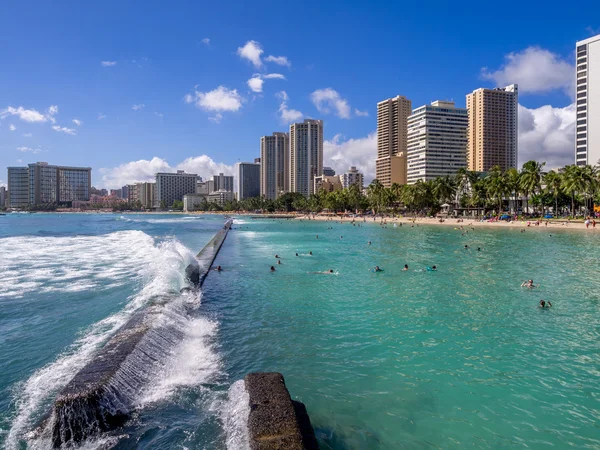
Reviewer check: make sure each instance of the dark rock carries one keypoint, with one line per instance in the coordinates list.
(274, 422)
(192, 272)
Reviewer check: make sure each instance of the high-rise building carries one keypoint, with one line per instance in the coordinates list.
(493, 128)
(74, 184)
(3, 197)
(173, 186)
(132, 193)
(205, 187)
(223, 182)
(144, 193)
(352, 177)
(274, 165)
(43, 183)
(437, 141)
(248, 180)
(392, 114)
(18, 187)
(306, 155)
(587, 146)
(125, 192)
(328, 172)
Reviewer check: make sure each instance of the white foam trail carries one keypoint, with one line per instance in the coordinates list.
(161, 267)
(234, 415)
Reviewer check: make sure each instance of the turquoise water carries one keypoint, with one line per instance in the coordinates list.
(457, 358)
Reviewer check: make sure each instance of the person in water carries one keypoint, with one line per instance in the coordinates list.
(405, 267)
(310, 253)
(432, 269)
(478, 249)
(278, 261)
(296, 254)
(219, 269)
(272, 269)
(466, 246)
(277, 256)
(377, 269)
(544, 304)
(528, 284)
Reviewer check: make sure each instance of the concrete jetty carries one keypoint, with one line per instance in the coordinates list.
(100, 396)
(276, 422)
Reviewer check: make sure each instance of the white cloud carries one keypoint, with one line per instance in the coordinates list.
(280, 60)
(251, 51)
(287, 115)
(108, 63)
(255, 83)
(219, 100)
(27, 135)
(144, 170)
(216, 118)
(340, 155)
(329, 101)
(65, 130)
(536, 71)
(27, 115)
(11, 127)
(138, 107)
(359, 113)
(206, 41)
(78, 122)
(34, 151)
(101, 116)
(547, 134)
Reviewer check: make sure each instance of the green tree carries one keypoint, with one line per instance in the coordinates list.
(531, 179)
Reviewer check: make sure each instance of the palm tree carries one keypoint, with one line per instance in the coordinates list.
(531, 179)
(376, 192)
(513, 180)
(553, 181)
(444, 188)
(496, 186)
(573, 182)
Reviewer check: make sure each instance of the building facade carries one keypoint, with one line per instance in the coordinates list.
(18, 187)
(223, 182)
(352, 178)
(220, 197)
(328, 171)
(192, 202)
(248, 180)
(74, 183)
(437, 141)
(327, 183)
(306, 155)
(493, 128)
(43, 183)
(145, 193)
(173, 186)
(392, 131)
(3, 197)
(587, 144)
(274, 165)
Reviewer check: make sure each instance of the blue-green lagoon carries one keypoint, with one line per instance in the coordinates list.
(458, 358)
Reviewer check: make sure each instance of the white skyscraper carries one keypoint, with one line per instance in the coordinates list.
(587, 146)
(437, 141)
(274, 165)
(306, 155)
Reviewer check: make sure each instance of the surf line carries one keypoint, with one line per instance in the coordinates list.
(101, 395)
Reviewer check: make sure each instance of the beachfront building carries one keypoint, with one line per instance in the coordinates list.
(18, 187)
(220, 197)
(43, 183)
(328, 171)
(493, 128)
(74, 184)
(248, 180)
(352, 177)
(326, 183)
(3, 197)
(223, 182)
(587, 146)
(306, 155)
(205, 187)
(145, 193)
(173, 186)
(192, 202)
(437, 141)
(274, 165)
(392, 131)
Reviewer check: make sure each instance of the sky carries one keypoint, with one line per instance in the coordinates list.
(130, 88)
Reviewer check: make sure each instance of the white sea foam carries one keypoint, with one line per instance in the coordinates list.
(234, 415)
(160, 266)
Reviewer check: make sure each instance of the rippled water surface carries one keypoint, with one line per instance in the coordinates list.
(458, 358)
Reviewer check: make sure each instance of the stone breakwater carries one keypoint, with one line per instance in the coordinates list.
(101, 395)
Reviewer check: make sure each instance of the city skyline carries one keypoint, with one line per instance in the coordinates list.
(129, 110)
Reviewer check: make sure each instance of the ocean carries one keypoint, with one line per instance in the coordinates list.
(460, 357)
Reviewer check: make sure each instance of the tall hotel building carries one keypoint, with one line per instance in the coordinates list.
(493, 128)
(247, 180)
(392, 114)
(173, 186)
(274, 165)
(306, 155)
(587, 147)
(18, 187)
(437, 141)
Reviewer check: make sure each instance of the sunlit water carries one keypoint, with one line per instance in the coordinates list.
(458, 358)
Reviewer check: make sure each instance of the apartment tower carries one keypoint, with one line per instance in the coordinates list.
(493, 128)
(437, 141)
(392, 114)
(274, 165)
(587, 146)
(306, 155)
(248, 180)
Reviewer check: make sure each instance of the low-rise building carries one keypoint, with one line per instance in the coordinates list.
(192, 202)
(352, 177)
(220, 197)
(327, 183)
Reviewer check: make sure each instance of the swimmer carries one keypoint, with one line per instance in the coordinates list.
(528, 284)
(341, 237)
(277, 256)
(317, 236)
(377, 269)
(296, 254)
(544, 304)
(278, 261)
(310, 253)
(405, 267)
(466, 246)
(272, 269)
(431, 269)
(478, 249)
(369, 242)
(219, 269)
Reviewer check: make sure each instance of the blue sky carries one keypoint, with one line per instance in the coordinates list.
(186, 66)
